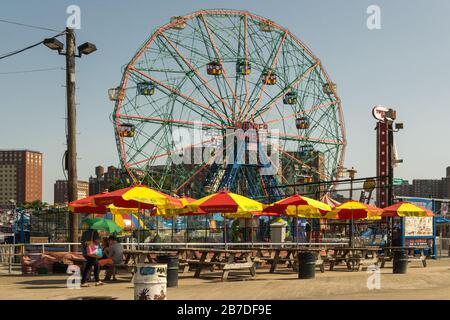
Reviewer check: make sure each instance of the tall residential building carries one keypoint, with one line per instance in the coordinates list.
(426, 188)
(103, 180)
(20, 176)
(405, 189)
(60, 194)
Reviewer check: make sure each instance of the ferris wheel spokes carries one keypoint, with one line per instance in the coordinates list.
(187, 98)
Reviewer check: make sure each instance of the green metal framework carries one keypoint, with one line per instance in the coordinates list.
(247, 48)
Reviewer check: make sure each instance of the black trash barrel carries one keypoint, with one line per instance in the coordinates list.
(306, 265)
(172, 269)
(400, 262)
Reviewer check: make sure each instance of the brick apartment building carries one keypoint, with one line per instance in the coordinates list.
(426, 188)
(20, 176)
(60, 194)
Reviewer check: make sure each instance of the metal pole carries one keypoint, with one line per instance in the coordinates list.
(390, 164)
(71, 133)
(351, 189)
(390, 198)
(22, 231)
(10, 259)
(172, 227)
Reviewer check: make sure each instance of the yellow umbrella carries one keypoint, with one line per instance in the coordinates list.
(406, 209)
(299, 206)
(354, 210)
(226, 202)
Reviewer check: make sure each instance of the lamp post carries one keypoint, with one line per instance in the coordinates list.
(71, 155)
(351, 173)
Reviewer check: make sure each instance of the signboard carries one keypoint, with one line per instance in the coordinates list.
(420, 231)
(379, 112)
(398, 181)
(418, 242)
(426, 203)
(38, 240)
(419, 227)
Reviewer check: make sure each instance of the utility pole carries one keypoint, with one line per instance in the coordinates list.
(71, 132)
(71, 154)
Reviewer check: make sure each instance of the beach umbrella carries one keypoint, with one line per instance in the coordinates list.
(127, 221)
(354, 210)
(183, 211)
(86, 205)
(406, 209)
(139, 196)
(103, 224)
(250, 215)
(226, 202)
(299, 206)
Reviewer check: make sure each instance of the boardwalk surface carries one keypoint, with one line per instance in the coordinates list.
(432, 282)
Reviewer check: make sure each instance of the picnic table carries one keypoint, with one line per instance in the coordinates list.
(133, 257)
(355, 258)
(289, 256)
(224, 259)
(415, 254)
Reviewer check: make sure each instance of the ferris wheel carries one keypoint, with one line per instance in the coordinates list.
(216, 70)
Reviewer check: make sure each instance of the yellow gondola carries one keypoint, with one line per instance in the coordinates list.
(214, 68)
(146, 88)
(127, 130)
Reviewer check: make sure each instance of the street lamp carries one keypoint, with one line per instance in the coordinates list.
(53, 44)
(86, 49)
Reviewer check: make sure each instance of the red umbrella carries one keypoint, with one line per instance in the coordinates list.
(406, 209)
(137, 197)
(86, 205)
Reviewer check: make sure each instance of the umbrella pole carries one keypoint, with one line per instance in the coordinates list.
(139, 227)
(351, 232)
(225, 230)
(186, 229)
(295, 221)
(172, 228)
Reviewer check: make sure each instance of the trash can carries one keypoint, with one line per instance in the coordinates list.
(306, 265)
(172, 268)
(150, 282)
(400, 262)
(278, 232)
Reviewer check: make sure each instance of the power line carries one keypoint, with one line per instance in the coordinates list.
(30, 71)
(28, 25)
(9, 54)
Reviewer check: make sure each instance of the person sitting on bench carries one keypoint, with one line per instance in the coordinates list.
(115, 254)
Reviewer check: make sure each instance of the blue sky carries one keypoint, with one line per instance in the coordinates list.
(404, 65)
